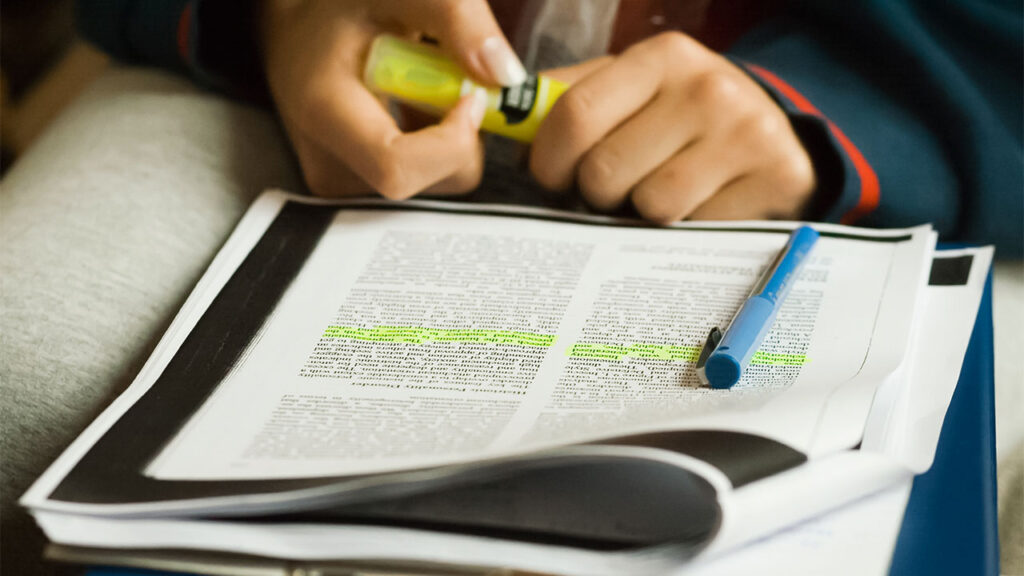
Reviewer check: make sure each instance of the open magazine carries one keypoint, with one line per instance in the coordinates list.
(512, 386)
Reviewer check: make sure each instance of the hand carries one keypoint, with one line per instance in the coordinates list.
(345, 140)
(676, 129)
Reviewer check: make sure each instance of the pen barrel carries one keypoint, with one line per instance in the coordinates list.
(744, 336)
(779, 279)
(748, 328)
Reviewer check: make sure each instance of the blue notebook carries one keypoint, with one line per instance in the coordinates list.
(950, 525)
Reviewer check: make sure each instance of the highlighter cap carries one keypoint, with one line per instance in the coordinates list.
(417, 74)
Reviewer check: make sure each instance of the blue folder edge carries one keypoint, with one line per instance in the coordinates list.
(950, 525)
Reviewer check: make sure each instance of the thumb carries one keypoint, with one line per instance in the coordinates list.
(466, 29)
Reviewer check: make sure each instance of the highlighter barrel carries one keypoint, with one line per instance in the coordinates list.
(424, 78)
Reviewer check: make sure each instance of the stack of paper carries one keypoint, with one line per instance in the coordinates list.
(508, 387)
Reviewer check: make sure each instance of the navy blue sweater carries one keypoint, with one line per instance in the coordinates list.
(910, 109)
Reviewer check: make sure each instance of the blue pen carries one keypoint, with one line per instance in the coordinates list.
(725, 357)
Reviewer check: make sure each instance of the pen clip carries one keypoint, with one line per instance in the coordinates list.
(769, 272)
(714, 338)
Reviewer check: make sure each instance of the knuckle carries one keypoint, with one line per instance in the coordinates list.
(654, 205)
(717, 88)
(576, 107)
(469, 176)
(316, 179)
(467, 181)
(459, 12)
(677, 45)
(543, 172)
(795, 174)
(672, 176)
(597, 172)
(657, 212)
(388, 179)
(463, 143)
(463, 183)
(762, 127)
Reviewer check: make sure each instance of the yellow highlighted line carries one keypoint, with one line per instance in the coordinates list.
(419, 335)
(673, 353)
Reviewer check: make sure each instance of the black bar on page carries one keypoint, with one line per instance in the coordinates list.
(111, 472)
(950, 271)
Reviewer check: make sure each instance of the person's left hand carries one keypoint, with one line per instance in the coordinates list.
(678, 130)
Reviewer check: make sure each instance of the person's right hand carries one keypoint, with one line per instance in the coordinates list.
(345, 140)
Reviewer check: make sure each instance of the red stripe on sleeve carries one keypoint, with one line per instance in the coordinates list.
(184, 26)
(870, 191)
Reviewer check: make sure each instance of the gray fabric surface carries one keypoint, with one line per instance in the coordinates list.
(106, 225)
(1008, 325)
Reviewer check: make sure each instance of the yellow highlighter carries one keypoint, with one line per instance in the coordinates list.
(425, 78)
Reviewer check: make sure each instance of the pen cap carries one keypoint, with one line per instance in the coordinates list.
(415, 73)
(722, 371)
(753, 321)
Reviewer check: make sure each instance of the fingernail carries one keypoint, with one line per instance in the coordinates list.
(478, 107)
(502, 62)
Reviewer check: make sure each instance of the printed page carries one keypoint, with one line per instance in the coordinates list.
(416, 338)
(908, 412)
(904, 425)
(863, 534)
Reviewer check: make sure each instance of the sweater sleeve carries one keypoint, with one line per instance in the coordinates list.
(910, 110)
(212, 41)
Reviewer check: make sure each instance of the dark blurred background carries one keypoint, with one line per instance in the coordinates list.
(43, 66)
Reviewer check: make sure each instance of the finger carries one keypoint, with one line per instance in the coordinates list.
(590, 110)
(353, 126)
(573, 74)
(326, 175)
(764, 194)
(748, 198)
(632, 151)
(688, 180)
(466, 29)
(465, 180)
